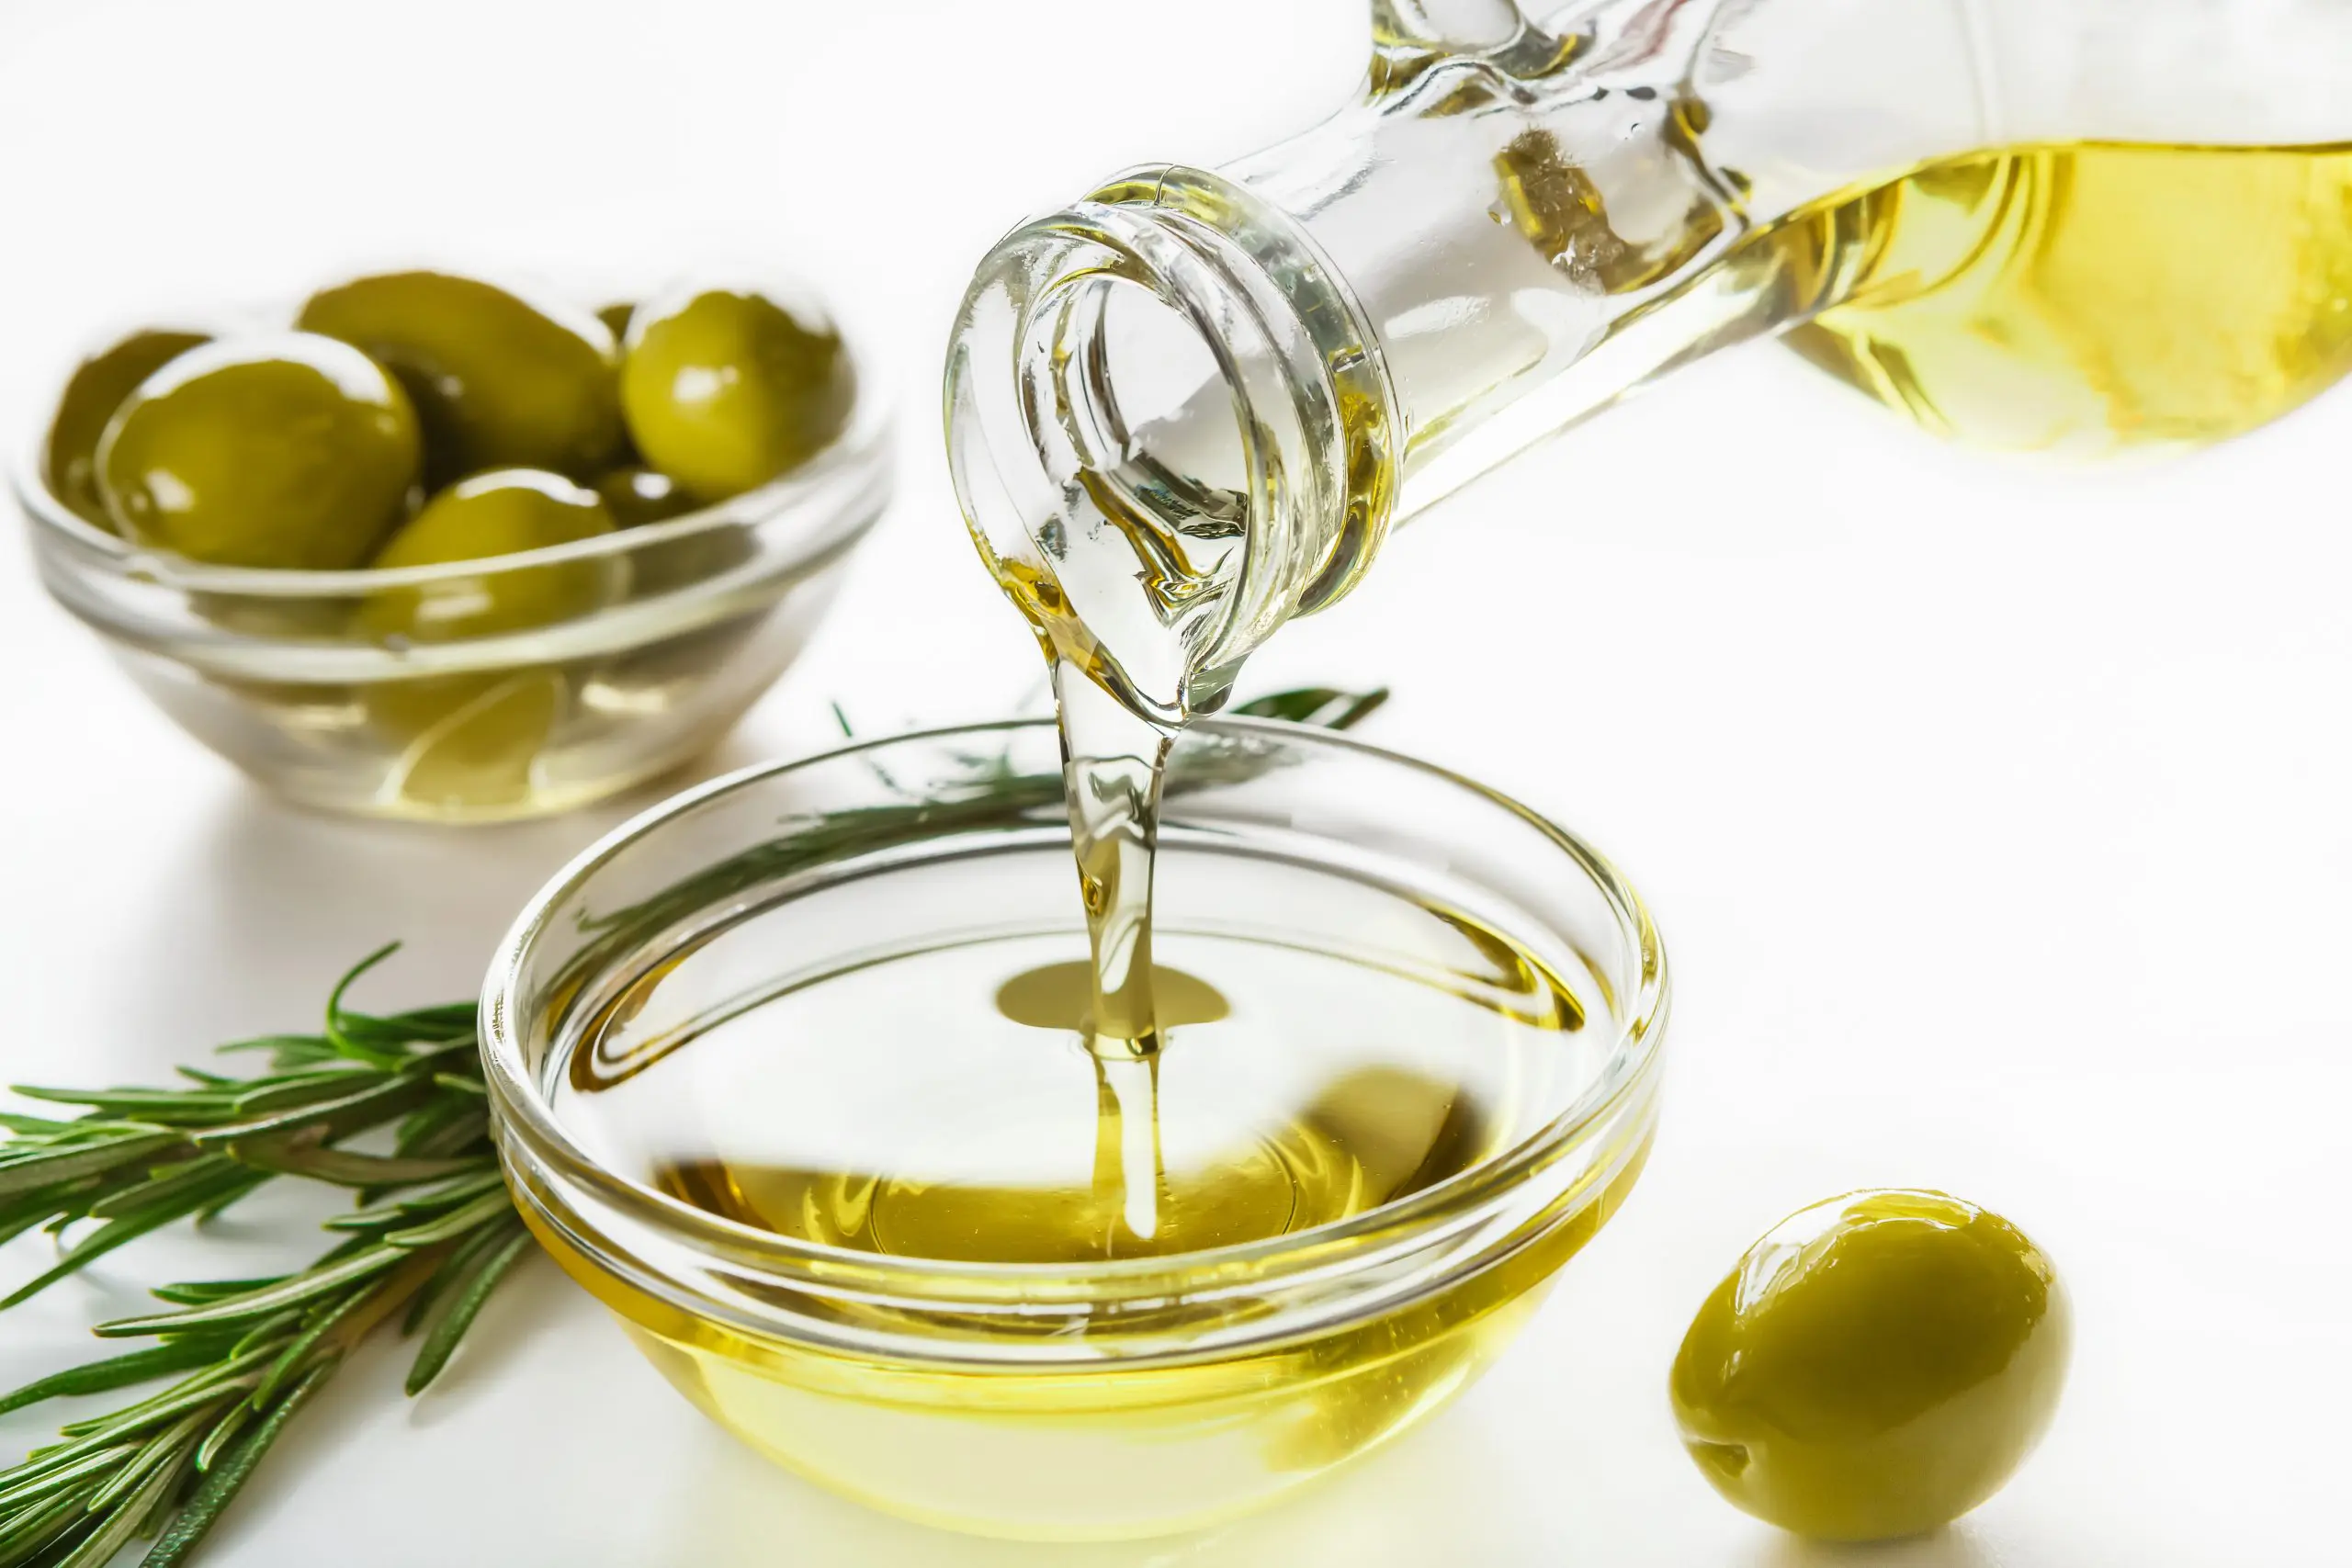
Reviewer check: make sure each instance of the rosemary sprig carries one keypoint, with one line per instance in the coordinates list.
(432, 1237)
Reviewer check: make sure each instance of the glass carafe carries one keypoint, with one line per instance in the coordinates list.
(1194, 405)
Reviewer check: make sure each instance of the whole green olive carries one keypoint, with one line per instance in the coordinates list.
(504, 513)
(1877, 1365)
(725, 389)
(99, 386)
(636, 496)
(615, 318)
(289, 450)
(498, 381)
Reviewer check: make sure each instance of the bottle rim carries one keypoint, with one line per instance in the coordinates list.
(1316, 418)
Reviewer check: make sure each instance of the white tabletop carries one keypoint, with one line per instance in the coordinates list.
(1995, 815)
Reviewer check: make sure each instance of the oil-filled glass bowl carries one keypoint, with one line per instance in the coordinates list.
(1098, 1399)
(270, 669)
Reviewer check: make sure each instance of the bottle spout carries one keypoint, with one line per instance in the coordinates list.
(1169, 430)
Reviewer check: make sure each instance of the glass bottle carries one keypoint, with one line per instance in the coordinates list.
(1193, 404)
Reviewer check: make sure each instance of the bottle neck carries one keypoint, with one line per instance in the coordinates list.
(1169, 430)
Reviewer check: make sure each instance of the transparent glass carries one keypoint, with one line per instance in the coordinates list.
(1192, 405)
(1110, 1398)
(694, 618)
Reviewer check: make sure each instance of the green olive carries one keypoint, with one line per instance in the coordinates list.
(1877, 1365)
(469, 740)
(289, 450)
(726, 389)
(637, 496)
(499, 383)
(99, 386)
(504, 513)
(615, 318)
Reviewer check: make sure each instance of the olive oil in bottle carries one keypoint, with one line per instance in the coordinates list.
(2092, 296)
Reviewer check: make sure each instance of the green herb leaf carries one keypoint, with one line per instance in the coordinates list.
(465, 1298)
(298, 1156)
(37, 1169)
(195, 1293)
(130, 1227)
(117, 1372)
(299, 1288)
(222, 1482)
(483, 1210)
(23, 1534)
(165, 1184)
(1319, 706)
(339, 1117)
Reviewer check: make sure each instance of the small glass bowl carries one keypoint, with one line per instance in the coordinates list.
(263, 667)
(1101, 1400)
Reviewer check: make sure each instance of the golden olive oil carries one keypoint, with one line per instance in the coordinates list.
(945, 1103)
(944, 1100)
(2090, 297)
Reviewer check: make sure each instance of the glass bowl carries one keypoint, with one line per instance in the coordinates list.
(265, 667)
(1054, 1401)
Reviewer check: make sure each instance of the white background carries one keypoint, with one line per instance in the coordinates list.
(1996, 815)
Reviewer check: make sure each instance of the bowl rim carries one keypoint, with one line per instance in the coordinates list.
(859, 454)
(523, 1115)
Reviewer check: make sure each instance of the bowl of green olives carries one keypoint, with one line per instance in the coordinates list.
(435, 548)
